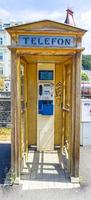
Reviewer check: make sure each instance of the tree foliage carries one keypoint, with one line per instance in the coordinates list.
(84, 76)
(86, 62)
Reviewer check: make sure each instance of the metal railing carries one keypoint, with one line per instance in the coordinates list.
(5, 109)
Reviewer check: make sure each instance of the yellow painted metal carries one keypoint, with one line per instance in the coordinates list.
(19, 114)
(32, 103)
(67, 111)
(51, 27)
(26, 113)
(58, 103)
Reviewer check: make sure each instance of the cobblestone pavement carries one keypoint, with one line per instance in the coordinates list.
(81, 193)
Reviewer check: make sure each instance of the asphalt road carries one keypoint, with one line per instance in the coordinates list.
(5, 160)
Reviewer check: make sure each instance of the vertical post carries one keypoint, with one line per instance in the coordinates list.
(76, 131)
(18, 115)
(77, 114)
(73, 117)
(63, 114)
(13, 112)
(26, 128)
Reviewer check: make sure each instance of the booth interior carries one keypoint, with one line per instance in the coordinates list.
(46, 102)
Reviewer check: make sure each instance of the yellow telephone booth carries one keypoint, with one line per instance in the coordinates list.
(45, 92)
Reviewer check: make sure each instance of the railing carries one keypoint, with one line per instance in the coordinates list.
(5, 109)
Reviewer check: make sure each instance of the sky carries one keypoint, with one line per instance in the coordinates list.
(33, 10)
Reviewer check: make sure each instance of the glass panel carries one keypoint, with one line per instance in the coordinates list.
(1, 40)
(1, 56)
(1, 70)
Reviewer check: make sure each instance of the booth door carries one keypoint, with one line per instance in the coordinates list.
(67, 118)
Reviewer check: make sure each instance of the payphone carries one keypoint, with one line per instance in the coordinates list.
(45, 111)
(46, 97)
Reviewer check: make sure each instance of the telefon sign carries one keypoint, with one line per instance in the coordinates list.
(46, 41)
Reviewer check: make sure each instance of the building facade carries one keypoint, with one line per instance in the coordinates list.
(5, 75)
(5, 55)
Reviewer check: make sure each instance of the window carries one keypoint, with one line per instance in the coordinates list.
(1, 55)
(1, 40)
(1, 70)
(0, 27)
(6, 25)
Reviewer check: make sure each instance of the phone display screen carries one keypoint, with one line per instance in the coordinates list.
(45, 75)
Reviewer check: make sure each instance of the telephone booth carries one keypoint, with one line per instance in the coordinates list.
(45, 92)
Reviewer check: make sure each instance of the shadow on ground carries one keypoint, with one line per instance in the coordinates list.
(5, 160)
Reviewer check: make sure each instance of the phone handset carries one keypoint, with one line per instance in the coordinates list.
(40, 90)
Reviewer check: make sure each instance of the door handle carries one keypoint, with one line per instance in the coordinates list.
(66, 109)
